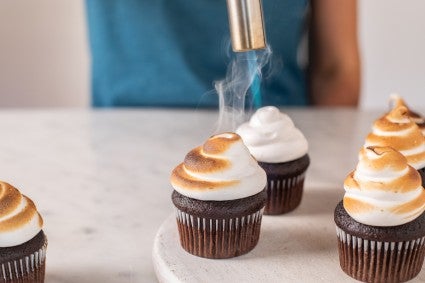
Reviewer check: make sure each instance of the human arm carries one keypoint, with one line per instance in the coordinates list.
(334, 70)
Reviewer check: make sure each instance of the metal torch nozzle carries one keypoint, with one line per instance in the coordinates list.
(246, 25)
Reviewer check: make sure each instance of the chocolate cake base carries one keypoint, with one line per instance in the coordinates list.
(219, 229)
(380, 254)
(24, 263)
(422, 173)
(285, 184)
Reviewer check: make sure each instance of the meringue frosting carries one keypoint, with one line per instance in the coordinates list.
(383, 190)
(396, 100)
(272, 137)
(19, 219)
(397, 130)
(221, 169)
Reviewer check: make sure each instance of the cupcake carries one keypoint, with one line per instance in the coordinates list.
(397, 130)
(281, 150)
(219, 198)
(396, 100)
(381, 221)
(22, 242)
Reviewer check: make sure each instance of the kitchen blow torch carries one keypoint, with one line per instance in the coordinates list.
(246, 25)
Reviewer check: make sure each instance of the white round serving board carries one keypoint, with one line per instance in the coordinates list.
(297, 247)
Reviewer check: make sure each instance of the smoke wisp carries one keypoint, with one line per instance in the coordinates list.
(239, 91)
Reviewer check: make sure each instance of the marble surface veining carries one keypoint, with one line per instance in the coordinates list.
(101, 178)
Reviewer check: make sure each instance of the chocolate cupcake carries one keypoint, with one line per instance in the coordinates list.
(219, 198)
(281, 150)
(396, 100)
(22, 242)
(397, 130)
(381, 222)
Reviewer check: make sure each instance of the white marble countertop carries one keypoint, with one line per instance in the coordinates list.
(100, 178)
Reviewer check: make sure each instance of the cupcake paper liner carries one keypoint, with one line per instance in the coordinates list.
(218, 238)
(375, 261)
(284, 194)
(29, 269)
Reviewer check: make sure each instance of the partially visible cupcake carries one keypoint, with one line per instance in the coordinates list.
(396, 100)
(22, 242)
(381, 221)
(397, 130)
(219, 198)
(281, 150)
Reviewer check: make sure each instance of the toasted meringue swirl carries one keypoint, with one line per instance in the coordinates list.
(396, 100)
(397, 130)
(221, 169)
(383, 190)
(19, 219)
(272, 137)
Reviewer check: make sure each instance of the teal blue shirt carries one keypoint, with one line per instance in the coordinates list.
(168, 53)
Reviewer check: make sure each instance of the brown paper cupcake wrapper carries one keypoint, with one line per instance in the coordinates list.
(374, 261)
(29, 269)
(218, 238)
(284, 194)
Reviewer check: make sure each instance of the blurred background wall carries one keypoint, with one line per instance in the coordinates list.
(392, 38)
(43, 53)
(44, 58)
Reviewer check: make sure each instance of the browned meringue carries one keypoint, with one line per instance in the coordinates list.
(383, 190)
(221, 169)
(19, 219)
(396, 100)
(397, 130)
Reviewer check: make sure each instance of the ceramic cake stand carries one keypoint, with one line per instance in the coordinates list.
(297, 247)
